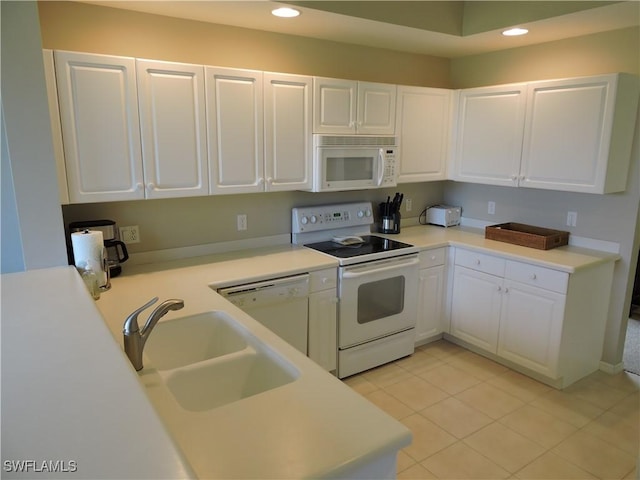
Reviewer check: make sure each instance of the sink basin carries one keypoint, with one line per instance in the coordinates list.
(227, 379)
(192, 339)
(210, 359)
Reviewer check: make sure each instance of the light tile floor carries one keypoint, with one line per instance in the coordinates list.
(473, 418)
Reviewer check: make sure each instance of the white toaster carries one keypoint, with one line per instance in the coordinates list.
(444, 215)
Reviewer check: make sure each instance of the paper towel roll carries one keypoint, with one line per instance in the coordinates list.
(88, 249)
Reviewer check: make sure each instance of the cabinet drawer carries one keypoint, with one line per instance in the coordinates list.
(432, 258)
(480, 262)
(537, 276)
(323, 279)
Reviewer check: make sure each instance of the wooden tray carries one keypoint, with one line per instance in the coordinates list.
(527, 235)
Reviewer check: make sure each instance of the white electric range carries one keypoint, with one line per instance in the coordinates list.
(377, 283)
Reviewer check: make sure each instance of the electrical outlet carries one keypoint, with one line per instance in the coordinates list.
(130, 234)
(241, 220)
(572, 218)
(491, 208)
(408, 204)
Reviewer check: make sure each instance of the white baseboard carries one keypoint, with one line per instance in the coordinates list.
(611, 368)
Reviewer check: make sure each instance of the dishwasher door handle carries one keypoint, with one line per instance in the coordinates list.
(253, 287)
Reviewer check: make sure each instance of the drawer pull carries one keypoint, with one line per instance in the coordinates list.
(433, 257)
(477, 261)
(499, 288)
(533, 276)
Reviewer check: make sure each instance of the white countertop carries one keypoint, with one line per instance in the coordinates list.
(567, 258)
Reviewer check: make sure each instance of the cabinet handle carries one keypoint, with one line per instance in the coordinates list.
(499, 288)
(139, 186)
(506, 290)
(433, 257)
(514, 177)
(522, 178)
(477, 261)
(151, 186)
(533, 276)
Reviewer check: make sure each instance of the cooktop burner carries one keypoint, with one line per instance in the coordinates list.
(371, 244)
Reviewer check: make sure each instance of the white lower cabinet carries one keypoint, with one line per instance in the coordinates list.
(531, 326)
(475, 311)
(429, 323)
(323, 318)
(547, 323)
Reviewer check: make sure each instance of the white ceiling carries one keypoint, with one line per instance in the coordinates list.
(342, 28)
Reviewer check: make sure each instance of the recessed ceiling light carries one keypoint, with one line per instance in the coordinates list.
(285, 12)
(513, 32)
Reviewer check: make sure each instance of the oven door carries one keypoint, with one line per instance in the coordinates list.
(350, 167)
(377, 299)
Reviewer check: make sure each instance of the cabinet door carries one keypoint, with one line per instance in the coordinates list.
(489, 135)
(323, 327)
(334, 105)
(475, 307)
(422, 126)
(173, 126)
(287, 112)
(431, 291)
(100, 126)
(531, 327)
(376, 109)
(235, 130)
(568, 135)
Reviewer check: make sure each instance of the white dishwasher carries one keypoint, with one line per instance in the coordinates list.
(280, 304)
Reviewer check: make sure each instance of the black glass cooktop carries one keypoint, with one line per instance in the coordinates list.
(371, 244)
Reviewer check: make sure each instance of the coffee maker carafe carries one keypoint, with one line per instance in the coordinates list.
(116, 250)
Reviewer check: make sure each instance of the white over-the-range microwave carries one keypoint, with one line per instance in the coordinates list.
(353, 162)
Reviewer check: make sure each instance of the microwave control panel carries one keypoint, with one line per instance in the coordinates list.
(389, 175)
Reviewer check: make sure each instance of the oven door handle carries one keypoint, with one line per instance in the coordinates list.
(368, 270)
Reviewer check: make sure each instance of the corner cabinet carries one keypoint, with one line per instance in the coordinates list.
(171, 99)
(347, 107)
(489, 132)
(544, 322)
(98, 103)
(422, 126)
(571, 134)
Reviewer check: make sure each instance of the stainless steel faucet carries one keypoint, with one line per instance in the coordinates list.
(134, 338)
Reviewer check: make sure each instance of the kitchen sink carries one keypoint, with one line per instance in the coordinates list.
(192, 339)
(207, 385)
(210, 359)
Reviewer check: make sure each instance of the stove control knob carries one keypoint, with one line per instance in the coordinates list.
(304, 220)
(314, 219)
(360, 213)
(367, 213)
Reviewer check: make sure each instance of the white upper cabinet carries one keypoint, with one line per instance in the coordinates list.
(578, 133)
(346, 107)
(100, 126)
(235, 126)
(489, 133)
(172, 122)
(422, 126)
(572, 134)
(287, 124)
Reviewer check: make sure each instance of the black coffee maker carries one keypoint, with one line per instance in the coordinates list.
(116, 249)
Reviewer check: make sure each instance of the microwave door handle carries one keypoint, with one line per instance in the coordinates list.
(380, 166)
